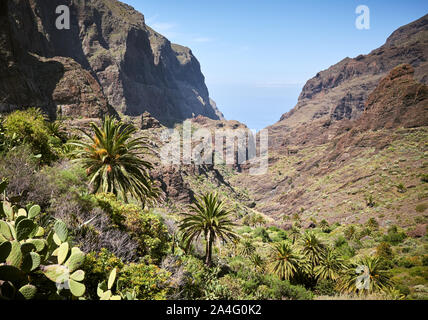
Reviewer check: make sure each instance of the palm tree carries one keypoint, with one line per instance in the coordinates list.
(331, 265)
(294, 234)
(258, 262)
(114, 161)
(285, 261)
(366, 277)
(312, 248)
(246, 248)
(210, 219)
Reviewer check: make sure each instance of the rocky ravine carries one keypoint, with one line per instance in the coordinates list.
(328, 166)
(109, 57)
(341, 91)
(359, 131)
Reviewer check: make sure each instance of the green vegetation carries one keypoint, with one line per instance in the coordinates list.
(30, 257)
(113, 161)
(29, 127)
(111, 237)
(285, 261)
(210, 220)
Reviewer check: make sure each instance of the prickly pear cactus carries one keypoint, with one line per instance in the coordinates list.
(104, 290)
(25, 254)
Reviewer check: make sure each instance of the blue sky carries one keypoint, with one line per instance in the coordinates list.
(257, 55)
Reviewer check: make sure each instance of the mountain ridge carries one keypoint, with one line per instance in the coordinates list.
(339, 92)
(137, 69)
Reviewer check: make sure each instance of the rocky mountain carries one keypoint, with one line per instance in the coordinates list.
(358, 132)
(332, 171)
(108, 57)
(341, 91)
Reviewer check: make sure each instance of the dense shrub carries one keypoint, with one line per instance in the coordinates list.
(425, 260)
(403, 289)
(29, 127)
(195, 287)
(261, 233)
(18, 166)
(325, 287)
(257, 285)
(372, 224)
(349, 232)
(35, 185)
(93, 228)
(421, 207)
(384, 250)
(340, 241)
(149, 281)
(393, 236)
(284, 290)
(97, 267)
(144, 226)
(343, 248)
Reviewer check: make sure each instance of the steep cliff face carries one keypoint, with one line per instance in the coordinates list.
(358, 130)
(136, 69)
(340, 91)
(328, 171)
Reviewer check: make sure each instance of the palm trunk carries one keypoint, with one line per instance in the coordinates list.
(208, 257)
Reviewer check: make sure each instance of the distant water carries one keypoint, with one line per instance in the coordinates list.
(255, 106)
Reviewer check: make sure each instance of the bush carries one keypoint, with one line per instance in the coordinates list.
(97, 267)
(393, 236)
(384, 250)
(340, 241)
(149, 281)
(144, 226)
(202, 282)
(29, 127)
(407, 262)
(343, 247)
(20, 167)
(325, 287)
(277, 234)
(372, 224)
(263, 234)
(421, 207)
(325, 227)
(403, 289)
(279, 290)
(259, 286)
(349, 232)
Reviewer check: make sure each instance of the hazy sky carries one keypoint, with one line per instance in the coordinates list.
(257, 55)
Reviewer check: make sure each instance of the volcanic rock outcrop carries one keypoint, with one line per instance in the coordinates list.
(123, 63)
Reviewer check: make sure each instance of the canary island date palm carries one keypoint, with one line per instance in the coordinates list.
(294, 234)
(114, 160)
(246, 247)
(257, 262)
(331, 265)
(209, 219)
(312, 248)
(366, 276)
(285, 261)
